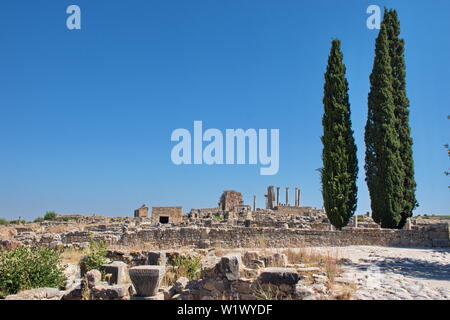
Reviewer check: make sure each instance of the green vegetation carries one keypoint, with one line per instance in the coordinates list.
(96, 256)
(50, 215)
(401, 103)
(340, 165)
(189, 266)
(3, 222)
(389, 164)
(26, 268)
(18, 221)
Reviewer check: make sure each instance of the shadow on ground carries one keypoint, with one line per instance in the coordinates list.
(414, 268)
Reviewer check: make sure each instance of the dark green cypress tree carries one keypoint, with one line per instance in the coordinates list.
(340, 165)
(401, 102)
(383, 162)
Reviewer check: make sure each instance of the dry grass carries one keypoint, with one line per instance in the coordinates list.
(72, 255)
(331, 266)
(307, 256)
(262, 244)
(269, 292)
(7, 232)
(344, 292)
(328, 263)
(218, 250)
(61, 228)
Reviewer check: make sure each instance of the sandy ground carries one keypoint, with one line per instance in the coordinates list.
(397, 273)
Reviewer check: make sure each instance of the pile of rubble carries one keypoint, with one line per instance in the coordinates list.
(253, 275)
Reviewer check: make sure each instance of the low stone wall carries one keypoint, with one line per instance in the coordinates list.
(166, 238)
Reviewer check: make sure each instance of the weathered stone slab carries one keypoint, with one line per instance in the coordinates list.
(279, 276)
(230, 265)
(114, 292)
(36, 294)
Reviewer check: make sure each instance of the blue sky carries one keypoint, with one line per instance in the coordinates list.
(86, 116)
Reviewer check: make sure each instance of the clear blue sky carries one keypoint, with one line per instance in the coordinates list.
(86, 116)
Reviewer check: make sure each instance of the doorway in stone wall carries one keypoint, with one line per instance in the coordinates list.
(163, 219)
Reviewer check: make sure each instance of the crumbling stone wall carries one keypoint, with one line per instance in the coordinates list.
(230, 199)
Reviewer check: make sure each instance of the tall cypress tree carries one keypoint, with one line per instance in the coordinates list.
(340, 165)
(401, 102)
(383, 166)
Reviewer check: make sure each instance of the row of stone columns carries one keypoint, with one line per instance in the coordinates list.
(271, 203)
(297, 197)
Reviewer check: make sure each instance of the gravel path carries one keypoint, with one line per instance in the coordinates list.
(397, 273)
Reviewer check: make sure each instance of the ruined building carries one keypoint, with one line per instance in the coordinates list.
(141, 212)
(230, 200)
(167, 215)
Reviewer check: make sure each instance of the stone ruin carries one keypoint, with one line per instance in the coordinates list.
(141, 212)
(165, 215)
(232, 224)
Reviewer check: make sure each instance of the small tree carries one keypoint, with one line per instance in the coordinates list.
(95, 258)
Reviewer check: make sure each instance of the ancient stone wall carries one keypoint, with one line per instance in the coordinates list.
(279, 238)
(297, 210)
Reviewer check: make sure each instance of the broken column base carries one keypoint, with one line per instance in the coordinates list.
(158, 296)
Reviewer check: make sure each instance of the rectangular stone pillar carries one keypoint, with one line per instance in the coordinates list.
(278, 196)
(287, 196)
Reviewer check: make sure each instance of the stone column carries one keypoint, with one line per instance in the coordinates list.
(278, 196)
(407, 225)
(355, 221)
(254, 202)
(299, 204)
(295, 197)
(287, 196)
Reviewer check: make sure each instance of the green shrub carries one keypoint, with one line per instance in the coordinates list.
(95, 257)
(50, 215)
(24, 268)
(3, 222)
(38, 219)
(19, 221)
(190, 266)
